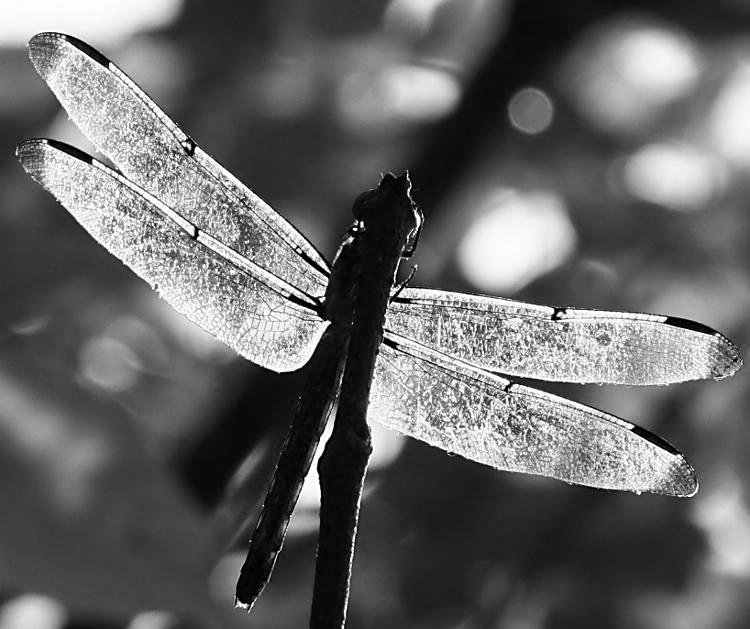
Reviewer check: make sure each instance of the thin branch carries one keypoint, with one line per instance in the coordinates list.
(388, 218)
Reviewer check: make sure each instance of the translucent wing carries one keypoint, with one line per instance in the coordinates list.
(563, 344)
(259, 316)
(152, 151)
(485, 418)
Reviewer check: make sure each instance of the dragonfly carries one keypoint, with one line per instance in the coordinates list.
(447, 368)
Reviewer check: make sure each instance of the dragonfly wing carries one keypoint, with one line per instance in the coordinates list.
(483, 417)
(152, 151)
(248, 308)
(562, 344)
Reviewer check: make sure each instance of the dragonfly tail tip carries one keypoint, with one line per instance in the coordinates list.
(246, 607)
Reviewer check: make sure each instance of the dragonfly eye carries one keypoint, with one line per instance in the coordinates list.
(390, 189)
(365, 202)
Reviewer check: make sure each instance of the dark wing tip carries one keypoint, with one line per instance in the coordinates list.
(722, 356)
(729, 360)
(684, 483)
(37, 157)
(29, 152)
(29, 148)
(678, 477)
(45, 50)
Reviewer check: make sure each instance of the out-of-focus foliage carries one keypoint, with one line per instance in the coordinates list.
(579, 153)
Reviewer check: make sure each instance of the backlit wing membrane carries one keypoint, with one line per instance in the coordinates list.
(152, 151)
(248, 308)
(229, 263)
(562, 344)
(486, 418)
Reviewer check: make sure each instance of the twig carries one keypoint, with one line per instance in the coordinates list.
(387, 219)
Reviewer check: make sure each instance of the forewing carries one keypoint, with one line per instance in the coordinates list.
(244, 306)
(152, 151)
(485, 418)
(562, 344)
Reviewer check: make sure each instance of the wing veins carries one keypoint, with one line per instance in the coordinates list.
(84, 81)
(562, 344)
(519, 428)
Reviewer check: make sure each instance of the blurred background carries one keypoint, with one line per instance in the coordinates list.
(579, 153)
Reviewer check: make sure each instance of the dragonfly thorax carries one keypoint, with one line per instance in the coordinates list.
(379, 213)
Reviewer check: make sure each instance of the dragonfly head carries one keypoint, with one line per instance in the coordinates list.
(392, 196)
